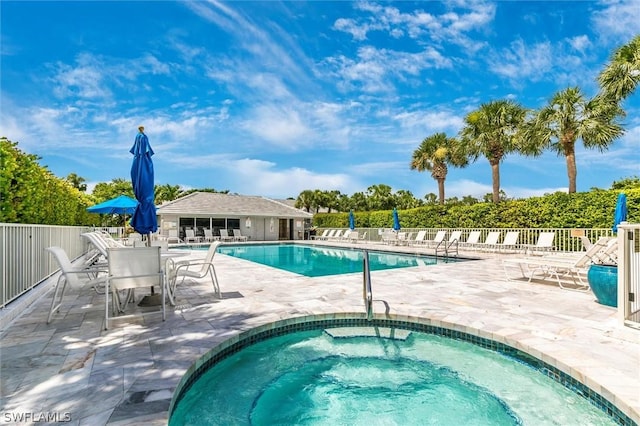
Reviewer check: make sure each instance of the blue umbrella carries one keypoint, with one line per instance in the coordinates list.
(396, 220)
(621, 211)
(118, 205)
(352, 220)
(144, 219)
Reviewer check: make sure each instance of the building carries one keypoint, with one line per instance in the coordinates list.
(259, 218)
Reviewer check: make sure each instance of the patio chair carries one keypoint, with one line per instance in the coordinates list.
(196, 268)
(337, 235)
(542, 245)
(70, 275)
(237, 236)
(419, 239)
(472, 240)
(490, 242)
(437, 240)
(510, 242)
(208, 236)
(322, 236)
(224, 235)
(558, 266)
(173, 237)
(389, 237)
(131, 268)
(190, 236)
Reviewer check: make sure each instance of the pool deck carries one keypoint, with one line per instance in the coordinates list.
(74, 369)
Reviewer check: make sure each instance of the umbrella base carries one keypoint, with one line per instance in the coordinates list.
(151, 300)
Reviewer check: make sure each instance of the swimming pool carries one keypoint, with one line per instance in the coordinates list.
(382, 372)
(317, 261)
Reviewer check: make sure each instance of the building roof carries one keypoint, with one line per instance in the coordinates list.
(225, 205)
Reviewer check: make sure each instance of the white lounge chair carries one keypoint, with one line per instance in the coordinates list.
(131, 268)
(190, 236)
(237, 236)
(173, 237)
(472, 240)
(490, 242)
(437, 240)
(419, 239)
(337, 235)
(542, 245)
(208, 236)
(510, 242)
(70, 275)
(224, 235)
(557, 266)
(321, 236)
(389, 237)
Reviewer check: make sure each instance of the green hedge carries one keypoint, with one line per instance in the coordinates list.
(593, 209)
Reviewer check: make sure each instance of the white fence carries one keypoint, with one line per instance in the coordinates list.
(23, 261)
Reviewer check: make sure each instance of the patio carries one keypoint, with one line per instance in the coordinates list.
(74, 370)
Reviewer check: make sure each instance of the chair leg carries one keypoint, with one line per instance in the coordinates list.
(214, 279)
(56, 307)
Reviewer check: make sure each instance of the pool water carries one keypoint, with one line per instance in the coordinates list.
(314, 261)
(312, 378)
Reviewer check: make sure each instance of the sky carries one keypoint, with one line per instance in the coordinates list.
(271, 98)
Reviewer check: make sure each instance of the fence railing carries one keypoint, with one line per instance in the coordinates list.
(566, 239)
(23, 261)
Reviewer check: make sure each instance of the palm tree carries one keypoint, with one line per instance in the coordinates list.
(77, 182)
(491, 131)
(569, 116)
(166, 192)
(433, 154)
(305, 199)
(621, 75)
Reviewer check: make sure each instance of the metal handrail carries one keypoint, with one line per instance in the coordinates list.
(367, 293)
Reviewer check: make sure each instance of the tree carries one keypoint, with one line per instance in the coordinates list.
(166, 193)
(77, 182)
(107, 190)
(569, 116)
(491, 131)
(331, 199)
(621, 75)
(305, 200)
(433, 154)
(359, 202)
(380, 197)
(405, 200)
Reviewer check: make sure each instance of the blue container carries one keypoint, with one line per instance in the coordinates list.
(603, 280)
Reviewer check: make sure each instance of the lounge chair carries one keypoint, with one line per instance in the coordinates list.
(173, 237)
(208, 235)
(224, 235)
(542, 245)
(437, 240)
(329, 235)
(353, 236)
(131, 268)
(389, 237)
(322, 236)
(70, 275)
(510, 242)
(197, 268)
(557, 266)
(450, 245)
(190, 236)
(237, 236)
(419, 239)
(490, 242)
(472, 240)
(336, 236)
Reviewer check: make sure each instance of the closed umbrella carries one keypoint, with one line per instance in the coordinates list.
(396, 220)
(352, 220)
(621, 211)
(144, 219)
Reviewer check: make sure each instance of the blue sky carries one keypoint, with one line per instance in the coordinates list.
(271, 98)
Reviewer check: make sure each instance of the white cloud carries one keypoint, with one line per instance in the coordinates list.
(521, 61)
(618, 19)
(251, 176)
(280, 125)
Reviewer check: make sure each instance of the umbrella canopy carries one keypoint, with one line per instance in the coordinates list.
(118, 205)
(396, 220)
(144, 219)
(621, 211)
(352, 220)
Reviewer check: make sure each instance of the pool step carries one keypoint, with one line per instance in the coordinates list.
(384, 332)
